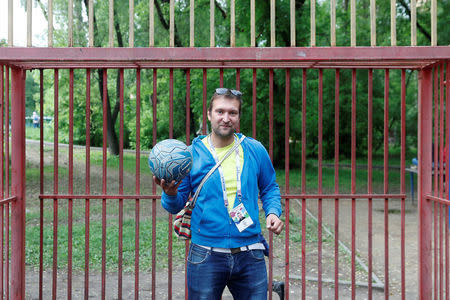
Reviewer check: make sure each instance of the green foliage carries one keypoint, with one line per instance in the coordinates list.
(222, 39)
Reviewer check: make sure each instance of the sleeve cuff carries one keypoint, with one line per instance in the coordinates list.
(273, 211)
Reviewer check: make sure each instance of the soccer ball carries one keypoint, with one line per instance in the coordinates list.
(170, 160)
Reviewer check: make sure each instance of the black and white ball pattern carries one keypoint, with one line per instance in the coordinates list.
(170, 160)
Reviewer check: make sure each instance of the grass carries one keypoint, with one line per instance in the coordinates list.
(95, 245)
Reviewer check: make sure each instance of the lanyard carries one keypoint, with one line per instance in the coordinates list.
(222, 177)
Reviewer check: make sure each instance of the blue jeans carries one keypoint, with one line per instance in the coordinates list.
(208, 272)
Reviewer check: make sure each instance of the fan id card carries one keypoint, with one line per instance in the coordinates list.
(240, 217)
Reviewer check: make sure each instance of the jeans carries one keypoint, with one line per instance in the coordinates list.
(208, 272)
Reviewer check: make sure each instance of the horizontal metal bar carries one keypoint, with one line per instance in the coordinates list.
(344, 196)
(291, 196)
(8, 200)
(342, 282)
(66, 196)
(226, 65)
(437, 199)
(250, 57)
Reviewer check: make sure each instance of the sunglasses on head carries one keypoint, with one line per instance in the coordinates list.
(225, 91)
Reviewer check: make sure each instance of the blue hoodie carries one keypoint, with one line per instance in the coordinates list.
(211, 224)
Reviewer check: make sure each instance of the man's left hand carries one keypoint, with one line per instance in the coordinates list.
(274, 224)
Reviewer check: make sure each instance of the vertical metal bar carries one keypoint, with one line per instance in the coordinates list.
(188, 142)
(204, 124)
(447, 171)
(17, 185)
(138, 184)
(29, 23)
(154, 189)
(238, 79)
(436, 130)
(435, 246)
(170, 226)
(353, 23)
(2, 224)
(441, 178)
(441, 132)
(424, 182)
(91, 23)
(286, 174)
(272, 23)
(436, 178)
(447, 281)
(369, 179)
(11, 23)
(55, 186)
(303, 189)
(232, 24)
(2, 183)
(70, 190)
(192, 24)
(104, 181)
(188, 106)
(41, 181)
(373, 23)
(70, 25)
(353, 183)
(313, 22)
(254, 104)
(319, 184)
(212, 43)
(7, 179)
(238, 87)
(7, 229)
(121, 125)
(172, 23)
(433, 23)
(271, 86)
(402, 181)
(393, 23)
(441, 261)
(333, 23)
(413, 23)
(336, 183)
(111, 23)
(292, 17)
(252, 24)
(221, 77)
(151, 21)
(131, 23)
(50, 23)
(88, 184)
(386, 183)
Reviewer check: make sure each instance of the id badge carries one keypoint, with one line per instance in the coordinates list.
(240, 217)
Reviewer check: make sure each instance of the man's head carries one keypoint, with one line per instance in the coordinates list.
(224, 112)
(227, 94)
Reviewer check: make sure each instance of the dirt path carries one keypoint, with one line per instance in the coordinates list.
(32, 276)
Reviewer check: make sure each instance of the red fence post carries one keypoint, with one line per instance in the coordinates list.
(424, 183)
(18, 183)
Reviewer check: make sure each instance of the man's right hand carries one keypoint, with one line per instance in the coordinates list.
(170, 188)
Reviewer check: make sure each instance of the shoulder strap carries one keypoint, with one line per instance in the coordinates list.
(194, 199)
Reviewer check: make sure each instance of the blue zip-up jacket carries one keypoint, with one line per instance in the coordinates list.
(211, 224)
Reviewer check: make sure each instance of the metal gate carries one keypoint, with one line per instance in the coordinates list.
(321, 218)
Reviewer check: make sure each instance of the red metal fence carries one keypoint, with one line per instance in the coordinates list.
(320, 217)
(433, 189)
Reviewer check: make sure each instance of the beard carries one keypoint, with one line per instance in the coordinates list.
(223, 133)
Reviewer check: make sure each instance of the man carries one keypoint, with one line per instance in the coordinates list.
(226, 250)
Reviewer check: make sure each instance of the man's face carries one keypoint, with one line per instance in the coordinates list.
(224, 116)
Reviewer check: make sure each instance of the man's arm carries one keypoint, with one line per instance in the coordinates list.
(269, 193)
